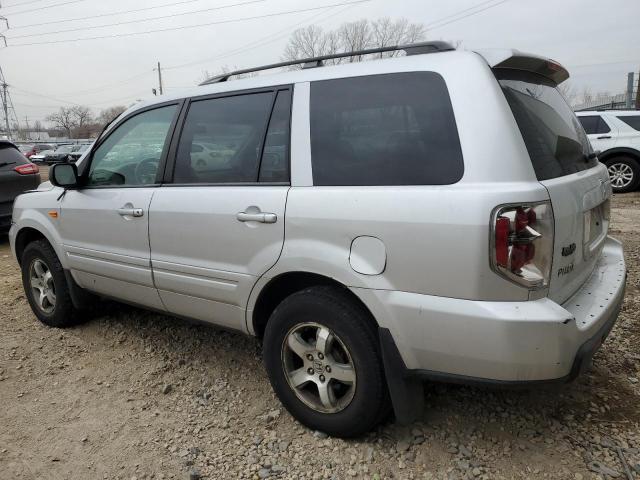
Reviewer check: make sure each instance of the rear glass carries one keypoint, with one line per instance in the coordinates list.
(394, 129)
(554, 137)
(10, 157)
(632, 120)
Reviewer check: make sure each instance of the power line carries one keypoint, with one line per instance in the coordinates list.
(234, 20)
(101, 15)
(46, 6)
(260, 41)
(21, 3)
(467, 15)
(136, 21)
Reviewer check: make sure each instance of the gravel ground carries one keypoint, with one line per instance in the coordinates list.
(136, 395)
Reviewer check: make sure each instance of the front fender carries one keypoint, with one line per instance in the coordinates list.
(31, 210)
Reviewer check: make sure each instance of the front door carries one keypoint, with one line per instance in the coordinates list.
(218, 224)
(105, 224)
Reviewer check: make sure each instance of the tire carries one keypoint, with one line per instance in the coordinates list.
(358, 405)
(619, 170)
(54, 311)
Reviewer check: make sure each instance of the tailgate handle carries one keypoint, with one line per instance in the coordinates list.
(603, 137)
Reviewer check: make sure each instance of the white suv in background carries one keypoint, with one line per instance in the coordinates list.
(616, 135)
(439, 215)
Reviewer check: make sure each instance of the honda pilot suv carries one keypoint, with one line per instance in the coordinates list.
(433, 216)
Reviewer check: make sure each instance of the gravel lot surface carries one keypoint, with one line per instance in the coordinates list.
(137, 395)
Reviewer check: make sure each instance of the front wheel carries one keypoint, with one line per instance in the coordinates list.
(624, 173)
(46, 286)
(323, 359)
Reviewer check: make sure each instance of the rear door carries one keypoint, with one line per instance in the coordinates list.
(217, 224)
(601, 133)
(562, 158)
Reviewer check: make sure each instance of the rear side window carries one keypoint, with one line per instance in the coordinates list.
(554, 137)
(594, 124)
(10, 157)
(222, 140)
(632, 120)
(394, 129)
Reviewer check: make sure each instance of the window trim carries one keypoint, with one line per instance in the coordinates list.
(170, 165)
(86, 166)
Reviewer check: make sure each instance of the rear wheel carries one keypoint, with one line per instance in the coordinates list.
(46, 286)
(624, 173)
(322, 356)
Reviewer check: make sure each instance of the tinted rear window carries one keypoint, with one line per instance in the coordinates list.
(594, 124)
(10, 157)
(632, 120)
(395, 129)
(554, 137)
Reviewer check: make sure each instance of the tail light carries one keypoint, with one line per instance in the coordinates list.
(522, 243)
(27, 169)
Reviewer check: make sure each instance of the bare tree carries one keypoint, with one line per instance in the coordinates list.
(37, 126)
(64, 119)
(82, 115)
(312, 41)
(569, 92)
(108, 114)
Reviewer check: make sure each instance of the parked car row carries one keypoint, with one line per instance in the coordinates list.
(60, 153)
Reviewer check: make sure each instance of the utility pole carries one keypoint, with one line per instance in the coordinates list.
(629, 103)
(159, 78)
(638, 93)
(5, 107)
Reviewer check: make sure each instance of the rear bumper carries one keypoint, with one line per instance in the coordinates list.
(506, 343)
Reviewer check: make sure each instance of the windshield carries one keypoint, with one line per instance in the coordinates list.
(64, 148)
(555, 140)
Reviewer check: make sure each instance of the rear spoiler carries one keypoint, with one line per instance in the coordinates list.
(515, 60)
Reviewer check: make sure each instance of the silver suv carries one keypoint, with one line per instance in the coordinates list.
(438, 215)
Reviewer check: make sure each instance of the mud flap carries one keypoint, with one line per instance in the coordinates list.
(407, 392)
(80, 298)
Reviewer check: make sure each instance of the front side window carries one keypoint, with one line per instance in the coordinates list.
(221, 141)
(131, 154)
(594, 124)
(632, 120)
(394, 129)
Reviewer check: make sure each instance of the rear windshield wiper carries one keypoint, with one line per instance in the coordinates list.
(4, 164)
(591, 156)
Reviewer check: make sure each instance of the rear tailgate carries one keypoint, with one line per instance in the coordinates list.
(562, 158)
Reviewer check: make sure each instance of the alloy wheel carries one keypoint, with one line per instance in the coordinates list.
(42, 287)
(318, 367)
(621, 175)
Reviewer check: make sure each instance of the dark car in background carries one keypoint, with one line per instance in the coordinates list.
(77, 151)
(33, 149)
(60, 154)
(17, 175)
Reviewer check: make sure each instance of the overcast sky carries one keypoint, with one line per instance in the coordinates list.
(598, 41)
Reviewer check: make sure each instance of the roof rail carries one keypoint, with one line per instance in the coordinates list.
(311, 62)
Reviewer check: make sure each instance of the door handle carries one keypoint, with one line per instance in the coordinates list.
(603, 137)
(257, 217)
(130, 212)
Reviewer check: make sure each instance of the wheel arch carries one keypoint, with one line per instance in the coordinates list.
(619, 151)
(24, 237)
(281, 286)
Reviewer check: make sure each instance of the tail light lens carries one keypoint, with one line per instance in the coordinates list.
(522, 243)
(27, 169)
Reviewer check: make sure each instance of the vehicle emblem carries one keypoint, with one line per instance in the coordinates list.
(568, 250)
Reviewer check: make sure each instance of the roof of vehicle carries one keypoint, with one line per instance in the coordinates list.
(8, 143)
(617, 113)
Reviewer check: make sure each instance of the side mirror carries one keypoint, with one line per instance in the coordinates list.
(64, 175)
